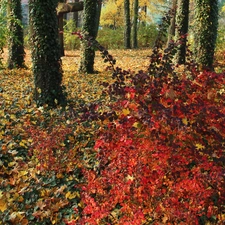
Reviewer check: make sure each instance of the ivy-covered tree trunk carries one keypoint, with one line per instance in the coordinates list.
(135, 24)
(206, 24)
(182, 16)
(15, 41)
(127, 29)
(47, 68)
(89, 28)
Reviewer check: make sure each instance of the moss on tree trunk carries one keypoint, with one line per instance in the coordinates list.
(135, 24)
(127, 29)
(88, 28)
(206, 24)
(182, 29)
(47, 68)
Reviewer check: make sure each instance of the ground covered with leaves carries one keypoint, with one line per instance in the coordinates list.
(127, 149)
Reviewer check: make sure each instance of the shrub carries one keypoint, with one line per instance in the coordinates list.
(161, 155)
(147, 35)
(113, 39)
(110, 38)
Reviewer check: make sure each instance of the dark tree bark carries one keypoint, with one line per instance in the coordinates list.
(47, 68)
(127, 29)
(62, 9)
(135, 24)
(206, 25)
(61, 37)
(15, 42)
(182, 29)
(90, 27)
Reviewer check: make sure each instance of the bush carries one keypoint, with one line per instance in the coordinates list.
(147, 35)
(113, 39)
(160, 153)
(110, 38)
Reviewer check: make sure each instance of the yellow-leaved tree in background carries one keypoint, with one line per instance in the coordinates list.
(113, 12)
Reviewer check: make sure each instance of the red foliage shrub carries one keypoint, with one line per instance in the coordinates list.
(54, 148)
(162, 160)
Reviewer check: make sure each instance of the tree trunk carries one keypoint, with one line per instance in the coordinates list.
(182, 29)
(171, 30)
(61, 37)
(127, 30)
(16, 42)
(47, 68)
(89, 28)
(62, 9)
(135, 24)
(206, 25)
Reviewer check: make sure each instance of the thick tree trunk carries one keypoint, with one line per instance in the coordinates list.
(182, 29)
(135, 24)
(206, 25)
(15, 42)
(127, 31)
(47, 68)
(89, 27)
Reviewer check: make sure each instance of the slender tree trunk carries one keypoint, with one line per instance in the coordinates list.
(90, 28)
(62, 9)
(61, 36)
(171, 30)
(97, 18)
(127, 30)
(135, 24)
(182, 29)
(206, 25)
(47, 68)
(16, 42)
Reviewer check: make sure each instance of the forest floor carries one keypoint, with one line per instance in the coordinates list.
(41, 188)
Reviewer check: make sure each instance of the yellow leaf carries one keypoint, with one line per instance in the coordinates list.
(126, 112)
(70, 195)
(137, 125)
(199, 146)
(14, 215)
(23, 172)
(185, 121)
(22, 143)
(11, 164)
(3, 205)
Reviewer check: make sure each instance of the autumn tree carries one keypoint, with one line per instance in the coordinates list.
(112, 14)
(127, 26)
(135, 24)
(206, 24)
(47, 68)
(15, 41)
(90, 27)
(182, 29)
